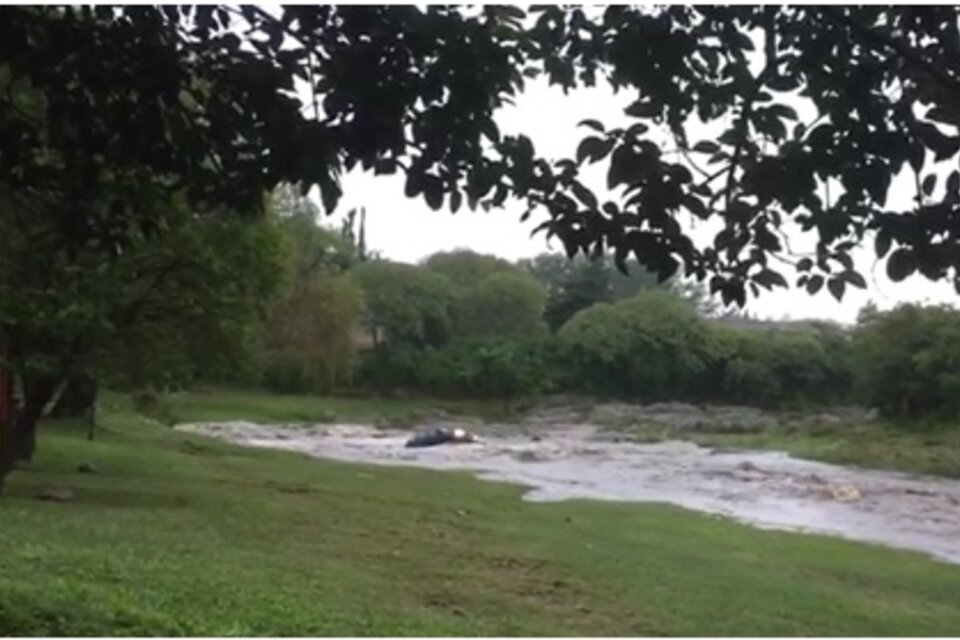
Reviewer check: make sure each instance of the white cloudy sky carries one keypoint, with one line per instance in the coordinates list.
(407, 230)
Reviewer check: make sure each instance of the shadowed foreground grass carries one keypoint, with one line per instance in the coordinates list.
(178, 534)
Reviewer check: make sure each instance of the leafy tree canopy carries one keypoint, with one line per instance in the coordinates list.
(405, 304)
(103, 104)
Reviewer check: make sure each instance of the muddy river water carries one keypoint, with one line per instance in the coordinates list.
(763, 488)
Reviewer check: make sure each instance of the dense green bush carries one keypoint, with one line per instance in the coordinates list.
(776, 367)
(405, 304)
(502, 304)
(390, 368)
(907, 361)
(653, 345)
(479, 367)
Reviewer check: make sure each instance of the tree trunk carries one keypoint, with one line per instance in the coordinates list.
(77, 397)
(36, 394)
(92, 414)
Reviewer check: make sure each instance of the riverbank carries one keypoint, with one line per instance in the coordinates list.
(181, 534)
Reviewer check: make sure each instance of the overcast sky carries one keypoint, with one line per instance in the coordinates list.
(407, 230)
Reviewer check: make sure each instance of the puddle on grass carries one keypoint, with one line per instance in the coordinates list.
(763, 488)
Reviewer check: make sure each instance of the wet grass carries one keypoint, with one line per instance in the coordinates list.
(231, 404)
(178, 534)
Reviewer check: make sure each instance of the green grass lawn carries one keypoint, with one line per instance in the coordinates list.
(178, 534)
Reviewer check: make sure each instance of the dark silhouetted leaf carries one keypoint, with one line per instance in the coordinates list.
(901, 264)
(642, 110)
(584, 195)
(593, 124)
(836, 287)
(768, 278)
(854, 279)
(706, 146)
(882, 243)
(593, 149)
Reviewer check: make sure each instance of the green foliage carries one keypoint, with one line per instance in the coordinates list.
(492, 296)
(577, 283)
(907, 361)
(776, 367)
(405, 304)
(493, 367)
(311, 248)
(571, 285)
(462, 323)
(652, 346)
(179, 304)
(101, 105)
(487, 367)
(310, 336)
(503, 304)
(465, 268)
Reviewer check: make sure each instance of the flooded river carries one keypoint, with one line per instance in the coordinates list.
(762, 488)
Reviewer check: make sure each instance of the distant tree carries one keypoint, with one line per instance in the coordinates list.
(908, 361)
(405, 304)
(653, 345)
(465, 268)
(571, 285)
(492, 296)
(312, 247)
(773, 367)
(506, 304)
(310, 337)
(577, 283)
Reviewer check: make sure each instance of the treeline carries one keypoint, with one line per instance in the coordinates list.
(464, 324)
(282, 303)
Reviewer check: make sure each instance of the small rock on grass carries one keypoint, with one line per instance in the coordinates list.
(57, 494)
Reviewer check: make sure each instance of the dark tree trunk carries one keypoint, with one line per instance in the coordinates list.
(20, 435)
(36, 393)
(77, 398)
(92, 413)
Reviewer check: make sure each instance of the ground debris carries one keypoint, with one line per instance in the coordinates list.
(57, 494)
